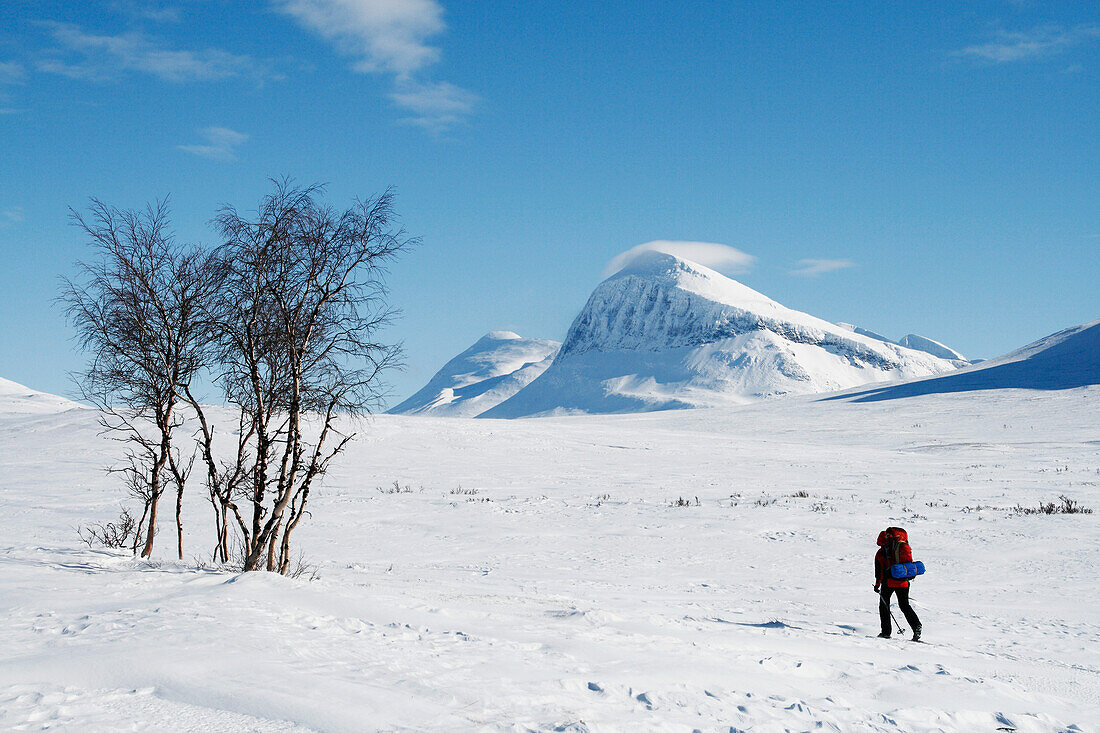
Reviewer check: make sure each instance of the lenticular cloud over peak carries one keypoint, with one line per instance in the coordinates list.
(721, 257)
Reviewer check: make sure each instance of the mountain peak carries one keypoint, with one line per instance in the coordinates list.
(501, 336)
(665, 332)
(677, 272)
(495, 367)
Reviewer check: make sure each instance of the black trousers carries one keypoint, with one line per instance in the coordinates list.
(903, 604)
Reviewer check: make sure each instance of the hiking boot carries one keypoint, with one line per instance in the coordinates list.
(884, 635)
(916, 634)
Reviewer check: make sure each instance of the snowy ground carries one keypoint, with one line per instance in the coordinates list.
(569, 594)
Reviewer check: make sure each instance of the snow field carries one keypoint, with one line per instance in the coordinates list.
(570, 592)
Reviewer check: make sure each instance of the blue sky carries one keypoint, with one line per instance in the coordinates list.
(909, 167)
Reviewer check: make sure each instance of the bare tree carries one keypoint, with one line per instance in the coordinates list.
(302, 301)
(137, 308)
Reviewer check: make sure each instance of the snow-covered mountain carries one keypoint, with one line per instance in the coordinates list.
(866, 332)
(935, 348)
(1063, 360)
(497, 366)
(667, 333)
(17, 399)
(911, 341)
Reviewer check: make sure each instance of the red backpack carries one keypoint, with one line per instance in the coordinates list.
(892, 539)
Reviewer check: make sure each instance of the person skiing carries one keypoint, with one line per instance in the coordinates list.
(893, 543)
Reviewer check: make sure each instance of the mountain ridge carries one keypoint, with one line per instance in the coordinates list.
(1067, 359)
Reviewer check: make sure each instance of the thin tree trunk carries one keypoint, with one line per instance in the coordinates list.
(179, 520)
(284, 550)
(219, 528)
(255, 554)
(140, 524)
(155, 487)
(271, 546)
(153, 502)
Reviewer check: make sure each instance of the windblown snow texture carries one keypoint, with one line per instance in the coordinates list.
(1064, 360)
(667, 333)
(497, 366)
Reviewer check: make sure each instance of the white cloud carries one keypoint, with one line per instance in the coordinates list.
(721, 257)
(382, 35)
(91, 56)
(11, 72)
(158, 13)
(434, 106)
(221, 143)
(1047, 40)
(14, 214)
(813, 268)
(391, 37)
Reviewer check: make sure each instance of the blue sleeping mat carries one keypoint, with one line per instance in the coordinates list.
(906, 570)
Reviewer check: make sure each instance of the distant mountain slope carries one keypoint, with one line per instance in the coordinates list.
(668, 333)
(497, 366)
(866, 332)
(1064, 360)
(17, 399)
(935, 348)
(912, 341)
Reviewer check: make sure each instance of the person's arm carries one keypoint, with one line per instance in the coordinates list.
(878, 570)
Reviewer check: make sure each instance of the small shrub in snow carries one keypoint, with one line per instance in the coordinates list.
(464, 492)
(802, 494)
(685, 502)
(302, 569)
(397, 488)
(114, 535)
(1066, 506)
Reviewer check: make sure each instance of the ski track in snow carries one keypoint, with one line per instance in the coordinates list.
(569, 593)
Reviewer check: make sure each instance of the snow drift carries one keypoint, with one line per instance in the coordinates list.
(665, 333)
(497, 366)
